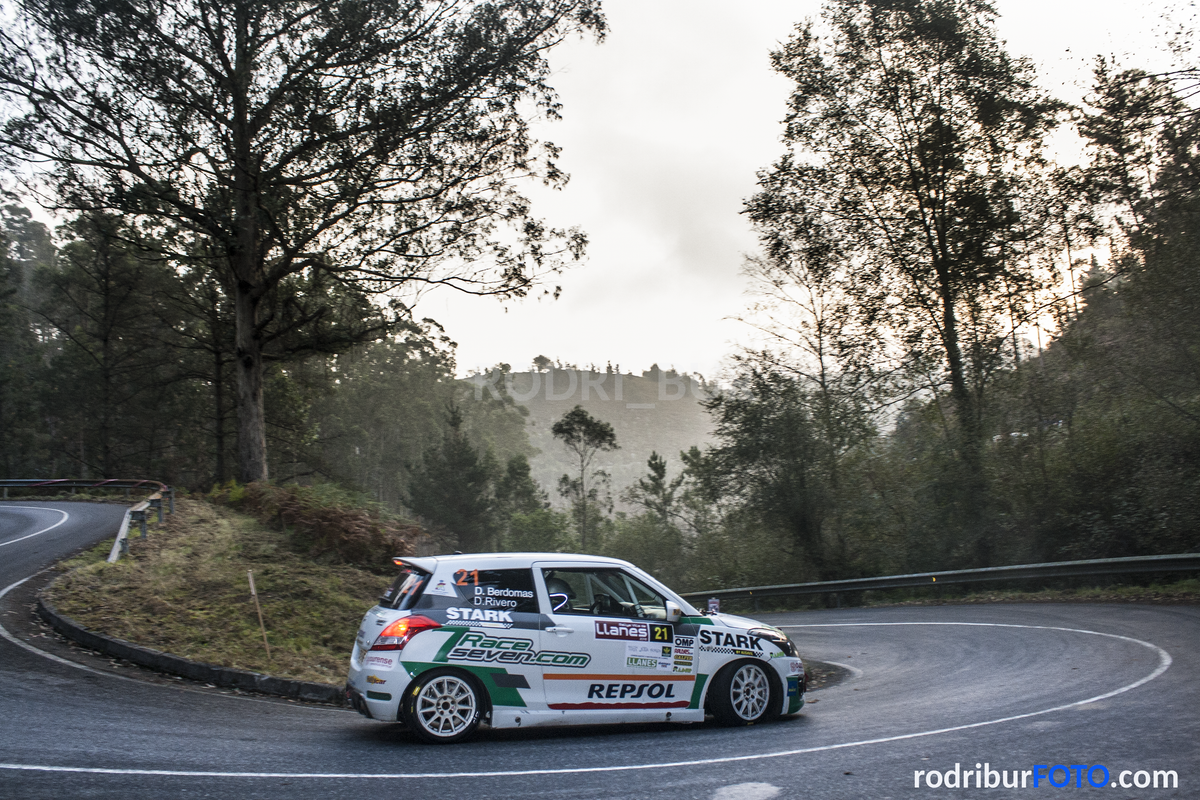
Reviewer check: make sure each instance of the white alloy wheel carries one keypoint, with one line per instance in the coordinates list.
(749, 692)
(443, 707)
(743, 693)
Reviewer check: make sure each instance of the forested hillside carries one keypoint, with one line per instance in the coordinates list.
(654, 411)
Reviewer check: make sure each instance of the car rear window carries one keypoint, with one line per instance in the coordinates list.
(405, 590)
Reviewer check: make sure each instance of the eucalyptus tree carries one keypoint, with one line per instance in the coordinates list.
(813, 333)
(915, 142)
(372, 143)
(585, 436)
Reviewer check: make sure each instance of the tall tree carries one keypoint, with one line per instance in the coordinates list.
(453, 489)
(1145, 169)
(1132, 115)
(814, 334)
(525, 517)
(584, 436)
(516, 490)
(654, 492)
(98, 299)
(387, 410)
(768, 460)
(305, 141)
(915, 142)
(25, 247)
(203, 335)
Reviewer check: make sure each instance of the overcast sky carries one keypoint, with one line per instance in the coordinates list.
(665, 125)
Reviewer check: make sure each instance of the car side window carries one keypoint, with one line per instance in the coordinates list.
(501, 589)
(602, 592)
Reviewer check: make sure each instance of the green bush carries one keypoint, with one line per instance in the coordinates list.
(325, 522)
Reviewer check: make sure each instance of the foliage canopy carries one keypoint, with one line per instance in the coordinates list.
(294, 144)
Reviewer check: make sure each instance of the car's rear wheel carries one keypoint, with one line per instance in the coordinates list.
(743, 693)
(443, 706)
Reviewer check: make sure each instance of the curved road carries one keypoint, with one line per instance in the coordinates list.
(1012, 686)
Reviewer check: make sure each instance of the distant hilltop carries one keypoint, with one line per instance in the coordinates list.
(657, 411)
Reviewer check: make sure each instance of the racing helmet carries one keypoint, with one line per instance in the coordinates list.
(560, 593)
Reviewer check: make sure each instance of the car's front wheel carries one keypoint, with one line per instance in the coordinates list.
(743, 693)
(443, 706)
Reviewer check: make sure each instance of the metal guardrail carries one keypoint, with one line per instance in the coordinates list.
(1182, 562)
(81, 483)
(134, 514)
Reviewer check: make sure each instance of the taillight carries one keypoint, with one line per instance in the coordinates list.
(396, 635)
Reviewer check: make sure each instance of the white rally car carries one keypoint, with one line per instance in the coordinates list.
(525, 639)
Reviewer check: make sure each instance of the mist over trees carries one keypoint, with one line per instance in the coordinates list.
(966, 355)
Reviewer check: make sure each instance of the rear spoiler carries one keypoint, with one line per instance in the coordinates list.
(426, 565)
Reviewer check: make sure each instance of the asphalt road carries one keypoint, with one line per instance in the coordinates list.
(1012, 686)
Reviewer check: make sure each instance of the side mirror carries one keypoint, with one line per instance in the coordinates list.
(674, 612)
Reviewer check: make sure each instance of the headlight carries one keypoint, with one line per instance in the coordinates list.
(777, 638)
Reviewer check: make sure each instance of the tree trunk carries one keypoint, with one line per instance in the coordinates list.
(222, 472)
(583, 509)
(252, 428)
(964, 406)
(107, 413)
(969, 432)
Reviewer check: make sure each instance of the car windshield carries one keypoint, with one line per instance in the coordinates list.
(602, 592)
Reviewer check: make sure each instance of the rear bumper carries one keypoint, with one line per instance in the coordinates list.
(374, 702)
(356, 700)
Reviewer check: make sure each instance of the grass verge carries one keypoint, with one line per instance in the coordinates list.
(184, 590)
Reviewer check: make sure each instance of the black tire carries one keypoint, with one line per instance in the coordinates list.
(443, 706)
(743, 693)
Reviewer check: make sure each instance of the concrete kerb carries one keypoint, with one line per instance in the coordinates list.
(225, 677)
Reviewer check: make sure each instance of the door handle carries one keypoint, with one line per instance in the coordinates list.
(561, 630)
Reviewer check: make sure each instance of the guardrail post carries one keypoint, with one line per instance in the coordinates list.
(124, 546)
(157, 504)
(140, 518)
